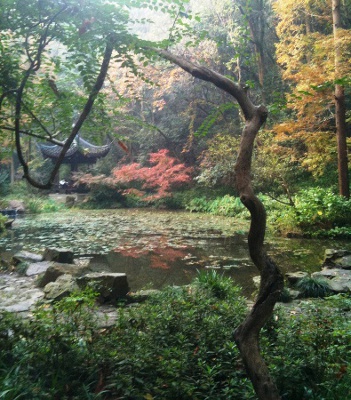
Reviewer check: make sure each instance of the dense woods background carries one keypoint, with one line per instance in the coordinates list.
(109, 70)
(287, 54)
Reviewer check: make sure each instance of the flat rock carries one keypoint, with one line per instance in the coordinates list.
(62, 287)
(38, 268)
(26, 256)
(339, 279)
(64, 256)
(337, 259)
(109, 286)
(18, 294)
(17, 205)
(57, 269)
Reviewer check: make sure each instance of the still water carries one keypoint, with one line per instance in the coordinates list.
(159, 248)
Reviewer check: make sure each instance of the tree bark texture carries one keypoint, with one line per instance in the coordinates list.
(340, 107)
(247, 334)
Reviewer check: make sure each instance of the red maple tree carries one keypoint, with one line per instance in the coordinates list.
(157, 181)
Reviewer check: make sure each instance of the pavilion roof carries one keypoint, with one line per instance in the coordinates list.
(80, 152)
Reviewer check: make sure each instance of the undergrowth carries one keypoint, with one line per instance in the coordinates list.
(176, 345)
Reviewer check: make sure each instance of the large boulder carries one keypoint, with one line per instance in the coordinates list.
(64, 256)
(337, 259)
(62, 287)
(38, 268)
(109, 286)
(57, 269)
(339, 280)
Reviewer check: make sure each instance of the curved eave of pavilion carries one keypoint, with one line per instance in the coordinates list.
(80, 151)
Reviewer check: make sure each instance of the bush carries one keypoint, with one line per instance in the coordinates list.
(49, 357)
(321, 208)
(176, 345)
(308, 351)
(313, 287)
(102, 196)
(227, 206)
(36, 205)
(317, 212)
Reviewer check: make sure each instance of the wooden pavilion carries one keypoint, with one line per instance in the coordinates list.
(80, 152)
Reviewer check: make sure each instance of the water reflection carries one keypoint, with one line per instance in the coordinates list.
(160, 248)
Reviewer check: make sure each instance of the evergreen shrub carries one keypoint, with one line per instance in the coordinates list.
(176, 345)
(317, 212)
(228, 206)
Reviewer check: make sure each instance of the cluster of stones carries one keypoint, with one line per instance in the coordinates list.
(336, 271)
(51, 277)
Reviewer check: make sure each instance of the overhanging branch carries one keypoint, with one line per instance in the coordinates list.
(77, 126)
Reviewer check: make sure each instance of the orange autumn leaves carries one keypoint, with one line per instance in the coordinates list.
(306, 54)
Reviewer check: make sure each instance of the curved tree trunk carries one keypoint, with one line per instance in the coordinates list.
(247, 334)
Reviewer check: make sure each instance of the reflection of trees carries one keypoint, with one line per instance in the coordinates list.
(159, 252)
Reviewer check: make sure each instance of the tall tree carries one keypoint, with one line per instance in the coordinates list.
(306, 53)
(74, 27)
(340, 107)
(247, 334)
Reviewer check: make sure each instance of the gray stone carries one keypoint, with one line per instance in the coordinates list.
(56, 269)
(337, 259)
(18, 294)
(38, 268)
(339, 280)
(106, 316)
(294, 277)
(26, 256)
(62, 287)
(64, 256)
(109, 286)
(294, 294)
(17, 205)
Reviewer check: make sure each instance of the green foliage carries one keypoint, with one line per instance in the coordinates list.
(218, 161)
(220, 286)
(313, 287)
(4, 183)
(320, 207)
(49, 356)
(35, 201)
(103, 196)
(176, 345)
(3, 219)
(22, 267)
(309, 351)
(228, 206)
(317, 212)
(211, 119)
(36, 205)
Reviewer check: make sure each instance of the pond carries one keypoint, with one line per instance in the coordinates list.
(159, 248)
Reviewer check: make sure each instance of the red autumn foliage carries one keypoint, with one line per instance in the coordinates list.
(164, 175)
